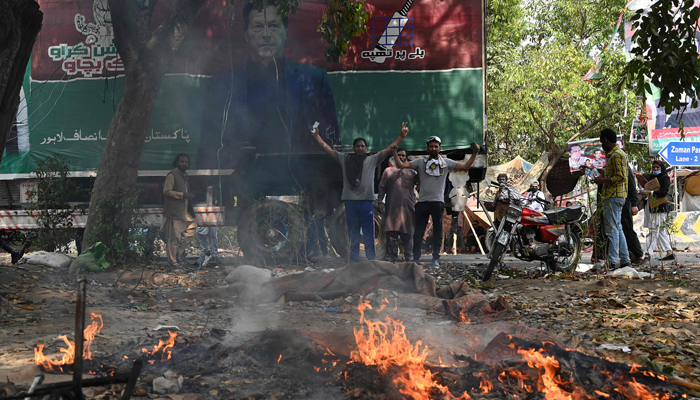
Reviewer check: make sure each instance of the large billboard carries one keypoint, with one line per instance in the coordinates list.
(255, 84)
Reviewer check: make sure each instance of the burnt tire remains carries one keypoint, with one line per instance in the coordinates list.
(272, 232)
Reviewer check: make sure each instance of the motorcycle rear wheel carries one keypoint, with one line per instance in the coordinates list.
(569, 263)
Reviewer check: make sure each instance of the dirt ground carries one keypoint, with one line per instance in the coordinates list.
(221, 354)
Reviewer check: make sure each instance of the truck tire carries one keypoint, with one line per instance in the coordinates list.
(340, 240)
(271, 232)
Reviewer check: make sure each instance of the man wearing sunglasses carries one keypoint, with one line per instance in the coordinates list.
(432, 174)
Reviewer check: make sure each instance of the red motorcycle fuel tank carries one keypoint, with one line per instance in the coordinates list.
(550, 233)
(532, 217)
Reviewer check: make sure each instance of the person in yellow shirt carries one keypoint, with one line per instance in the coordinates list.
(612, 185)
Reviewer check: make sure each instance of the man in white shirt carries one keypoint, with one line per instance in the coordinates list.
(533, 194)
(432, 174)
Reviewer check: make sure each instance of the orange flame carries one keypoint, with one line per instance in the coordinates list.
(162, 347)
(485, 386)
(69, 353)
(550, 382)
(634, 390)
(384, 344)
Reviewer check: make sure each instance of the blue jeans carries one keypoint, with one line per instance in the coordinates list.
(360, 213)
(612, 213)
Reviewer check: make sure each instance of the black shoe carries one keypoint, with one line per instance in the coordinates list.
(627, 264)
(668, 258)
(16, 256)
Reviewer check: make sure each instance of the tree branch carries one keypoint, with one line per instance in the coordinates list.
(149, 13)
(173, 30)
(532, 113)
(593, 123)
(131, 31)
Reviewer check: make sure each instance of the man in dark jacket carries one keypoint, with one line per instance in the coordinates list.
(630, 209)
(269, 102)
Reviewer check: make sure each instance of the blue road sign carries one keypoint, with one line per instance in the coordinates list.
(681, 154)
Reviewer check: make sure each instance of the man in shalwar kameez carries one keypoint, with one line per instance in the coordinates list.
(179, 223)
(399, 218)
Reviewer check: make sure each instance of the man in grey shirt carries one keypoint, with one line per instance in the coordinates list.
(432, 174)
(358, 189)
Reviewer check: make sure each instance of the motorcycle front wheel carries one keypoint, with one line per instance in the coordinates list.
(490, 239)
(496, 257)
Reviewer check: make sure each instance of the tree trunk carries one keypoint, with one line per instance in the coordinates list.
(146, 55)
(20, 23)
(116, 177)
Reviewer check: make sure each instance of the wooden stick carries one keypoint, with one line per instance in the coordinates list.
(685, 384)
(474, 232)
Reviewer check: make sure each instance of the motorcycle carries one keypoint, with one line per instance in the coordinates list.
(552, 236)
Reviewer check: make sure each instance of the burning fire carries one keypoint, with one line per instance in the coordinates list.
(385, 345)
(69, 353)
(163, 348)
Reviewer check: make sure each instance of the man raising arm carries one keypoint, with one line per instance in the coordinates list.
(432, 173)
(385, 153)
(458, 167)
(358, 189)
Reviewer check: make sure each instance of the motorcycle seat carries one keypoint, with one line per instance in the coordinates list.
(560, 215)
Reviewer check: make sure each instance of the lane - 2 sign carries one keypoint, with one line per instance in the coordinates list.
(681, 154)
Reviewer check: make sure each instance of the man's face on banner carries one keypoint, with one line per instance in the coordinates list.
(265, 35)
(575, 152)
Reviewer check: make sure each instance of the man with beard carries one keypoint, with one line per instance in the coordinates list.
(179, 223)
(612, 185)
(358, 188)
(432, 173)
(399, 219)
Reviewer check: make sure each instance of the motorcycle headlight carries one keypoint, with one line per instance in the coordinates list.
(513, 212)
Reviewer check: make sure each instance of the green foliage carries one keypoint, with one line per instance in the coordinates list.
(537, 99)
(342, 21)
(666, 53)
(50, 208)
(130, 241)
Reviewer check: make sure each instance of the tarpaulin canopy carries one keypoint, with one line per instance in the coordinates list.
(520, 174)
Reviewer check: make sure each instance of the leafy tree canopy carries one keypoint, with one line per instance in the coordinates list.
(538, 53)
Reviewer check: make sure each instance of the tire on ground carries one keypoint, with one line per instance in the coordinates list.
(498, 248)
(340, 240)
(272, 232)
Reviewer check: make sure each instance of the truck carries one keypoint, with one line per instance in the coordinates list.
(244, 121)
